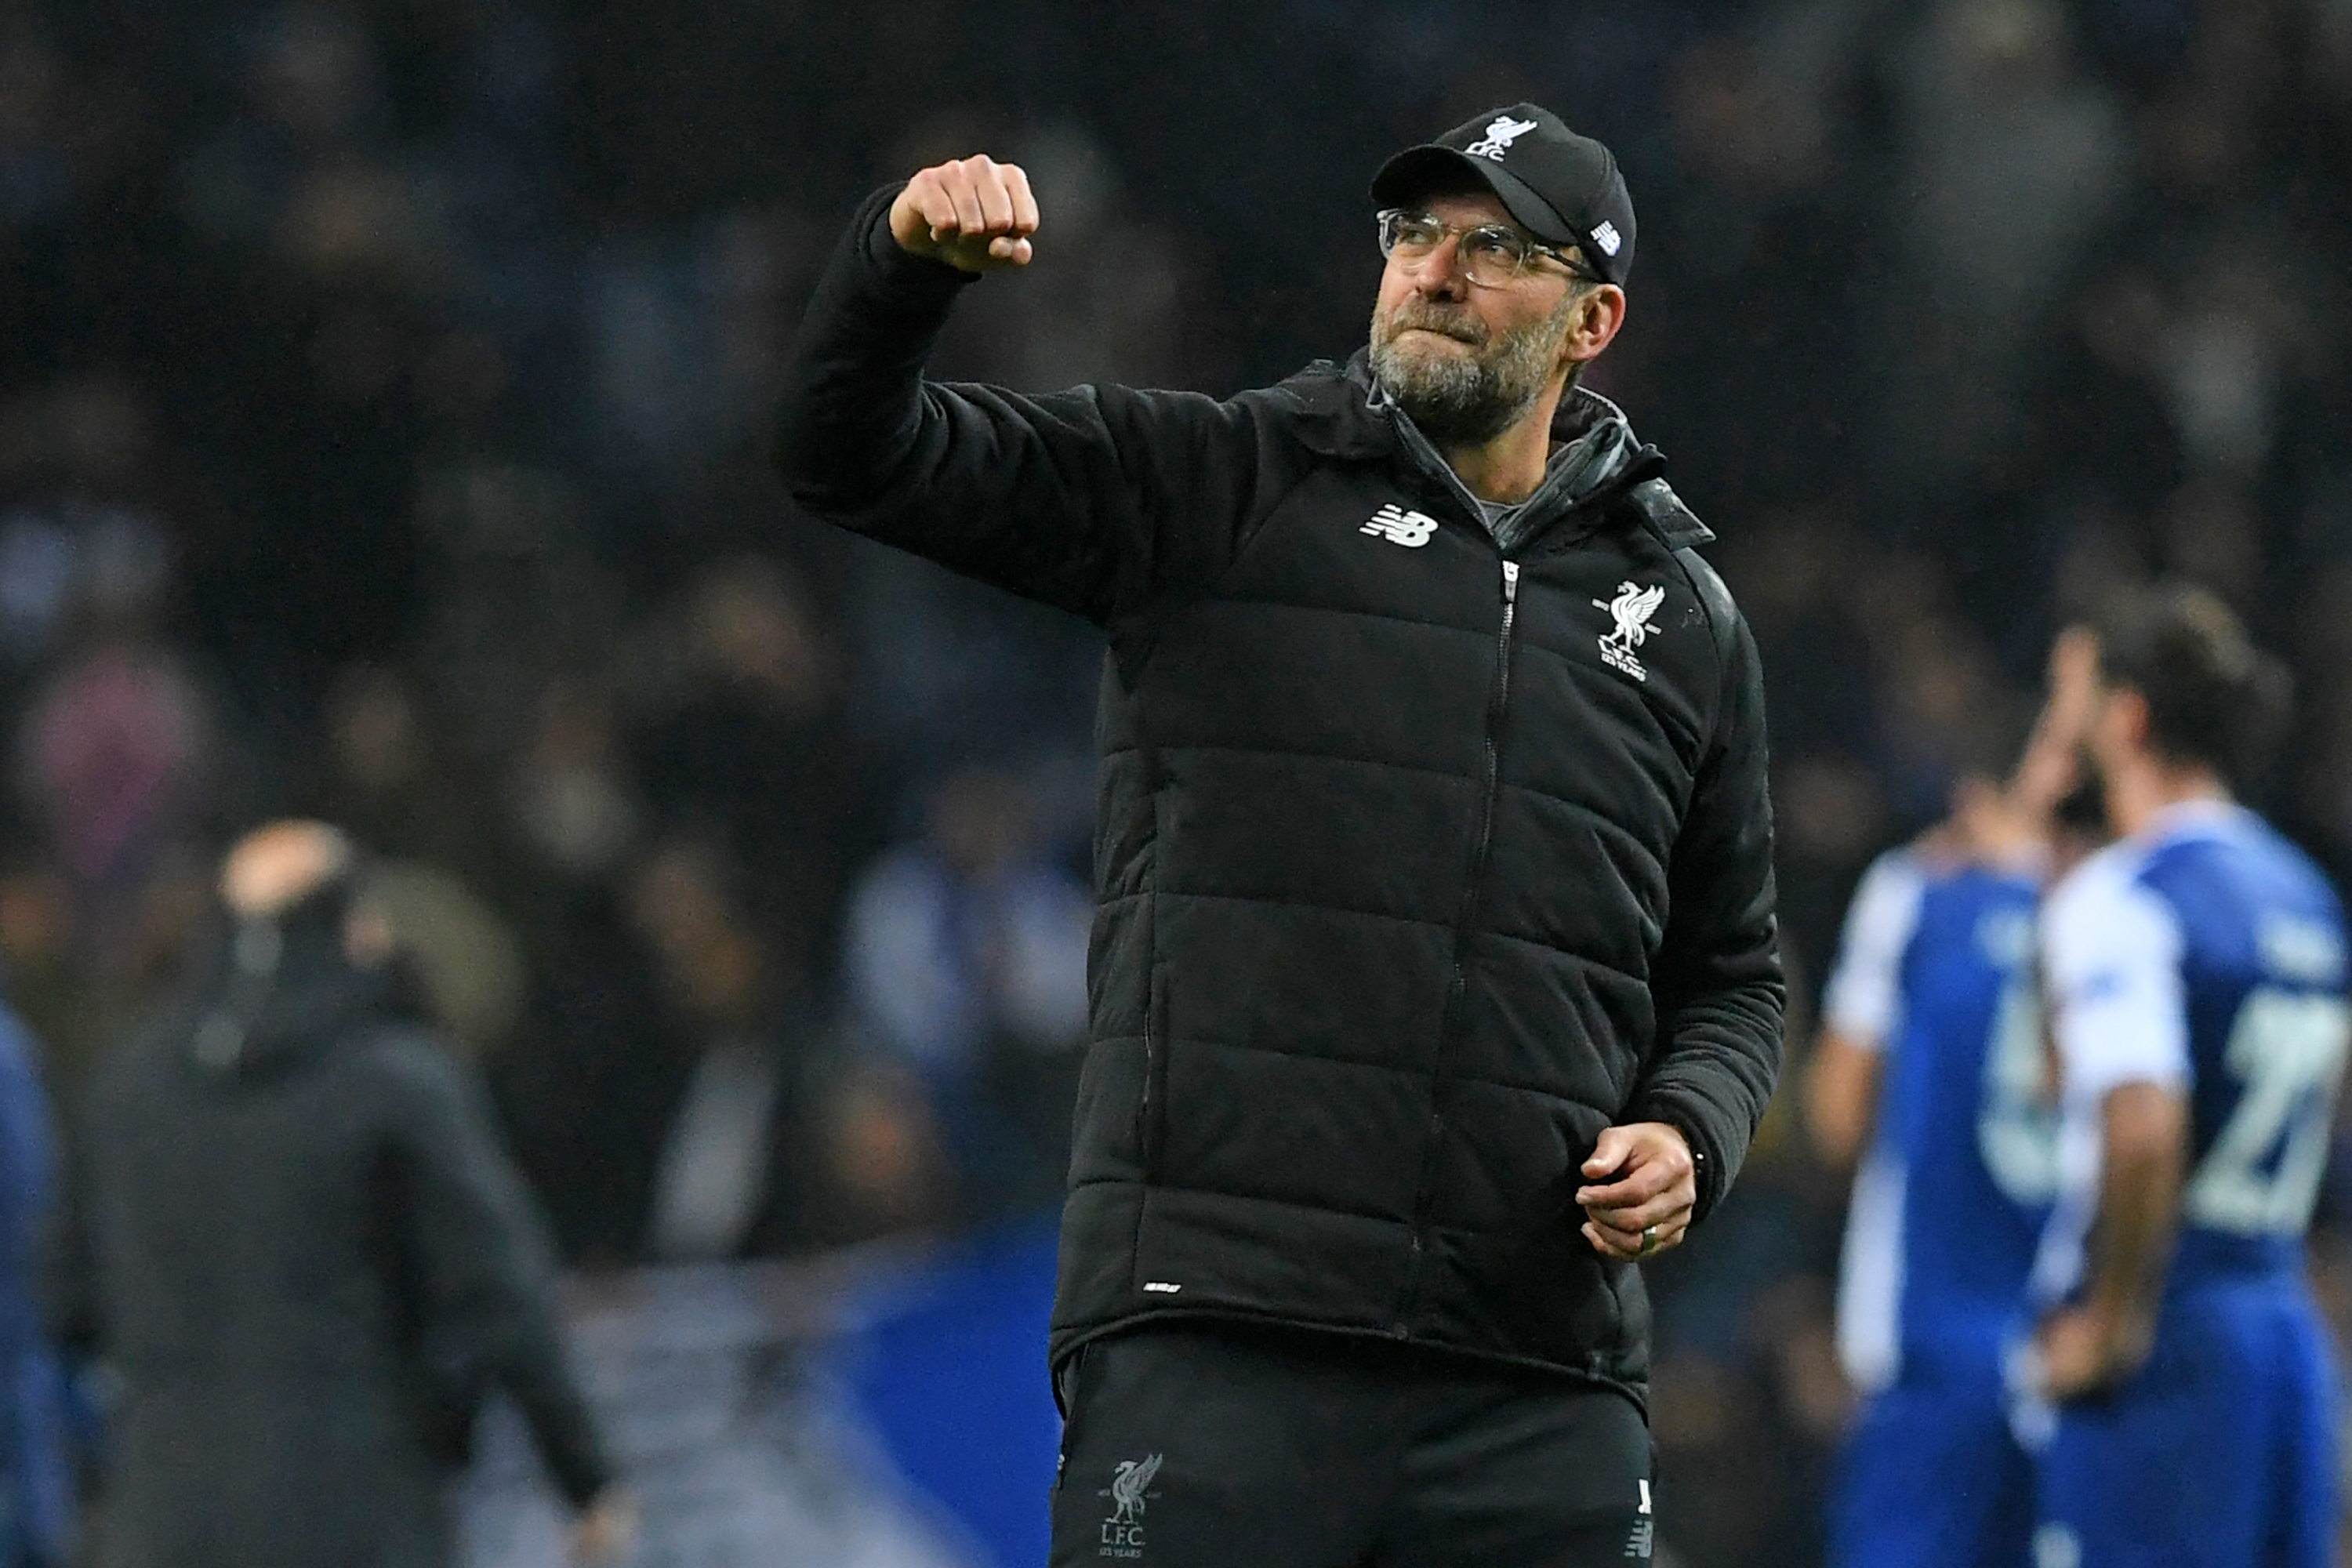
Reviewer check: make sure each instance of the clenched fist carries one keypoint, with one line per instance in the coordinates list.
(1642, 1189)
(974, 214)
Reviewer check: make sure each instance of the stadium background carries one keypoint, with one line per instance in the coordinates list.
(382, 389)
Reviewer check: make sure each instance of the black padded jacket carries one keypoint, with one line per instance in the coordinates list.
(1423, 854)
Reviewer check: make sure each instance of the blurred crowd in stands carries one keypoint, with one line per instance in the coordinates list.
(382, 392)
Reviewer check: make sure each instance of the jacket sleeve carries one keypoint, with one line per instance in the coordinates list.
(1093, 500)
(481, 1271)
(1717, 979)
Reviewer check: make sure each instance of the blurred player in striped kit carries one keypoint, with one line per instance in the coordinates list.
(2184, 1396)
(1931, 1068)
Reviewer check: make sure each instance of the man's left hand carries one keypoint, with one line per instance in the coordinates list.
(2084, 1350)
(1642, 1186)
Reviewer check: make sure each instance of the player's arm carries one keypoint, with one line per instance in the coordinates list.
(2112, 956)
(1840, 1095)
(1718, 985)
(1859, 1007)
(2050, 766)
(1088, 499)
(2013, 824)
(2106, 1334)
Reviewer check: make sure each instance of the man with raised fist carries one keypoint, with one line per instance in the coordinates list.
(1435, 977)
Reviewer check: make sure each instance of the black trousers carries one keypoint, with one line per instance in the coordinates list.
(1208, 1446)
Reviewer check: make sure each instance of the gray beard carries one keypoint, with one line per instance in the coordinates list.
(1465, 400)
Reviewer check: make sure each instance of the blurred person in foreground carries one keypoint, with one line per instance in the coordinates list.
(1931, 1058)
(1436, 977)
(294, 1238)
(2196, 972)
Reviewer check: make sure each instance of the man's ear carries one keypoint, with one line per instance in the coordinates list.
(1592, 324)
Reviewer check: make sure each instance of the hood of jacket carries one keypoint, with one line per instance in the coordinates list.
(280, 994)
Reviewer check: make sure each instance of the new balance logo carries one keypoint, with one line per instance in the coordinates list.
(1642, 1539)
(1397, 526)
(1607, 238)
(1500, 133)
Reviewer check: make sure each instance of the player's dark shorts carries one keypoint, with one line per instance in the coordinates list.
(1215, 1447)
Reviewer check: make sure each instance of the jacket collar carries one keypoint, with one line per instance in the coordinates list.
(282, 994)
(1340, 413)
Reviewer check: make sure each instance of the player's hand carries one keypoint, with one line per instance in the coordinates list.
(974, 214)
(1640, 1178)
(2073, 680)
(2084, 1350)
(2052, 762)
(606, 1533)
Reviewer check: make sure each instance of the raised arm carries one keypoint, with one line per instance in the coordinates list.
(1092, 499)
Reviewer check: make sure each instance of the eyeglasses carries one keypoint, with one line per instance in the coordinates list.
(1493, 255)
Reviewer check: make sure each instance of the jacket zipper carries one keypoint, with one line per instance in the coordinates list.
(1457, 990)
(1151, 1114)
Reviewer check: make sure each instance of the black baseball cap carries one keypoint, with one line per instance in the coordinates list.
(1563, 188)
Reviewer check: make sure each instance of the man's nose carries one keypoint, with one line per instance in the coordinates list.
(1439, 274)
